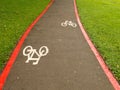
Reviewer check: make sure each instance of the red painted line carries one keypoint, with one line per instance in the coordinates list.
(97, 54)
(14, 55)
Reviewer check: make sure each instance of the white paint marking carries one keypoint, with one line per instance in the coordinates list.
(68, 23)
(30, 52)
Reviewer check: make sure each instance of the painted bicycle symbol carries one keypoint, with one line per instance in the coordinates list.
(68, 23)
(30, 52)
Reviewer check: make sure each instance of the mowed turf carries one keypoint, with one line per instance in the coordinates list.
(15, 17)
(101, 19)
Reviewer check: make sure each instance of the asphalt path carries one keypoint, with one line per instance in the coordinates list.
(56, 56)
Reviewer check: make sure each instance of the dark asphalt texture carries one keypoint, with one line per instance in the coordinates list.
(70, 63)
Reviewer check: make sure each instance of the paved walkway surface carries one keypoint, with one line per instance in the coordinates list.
(65, 60)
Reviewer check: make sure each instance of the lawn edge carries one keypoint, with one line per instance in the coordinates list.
(105, 68)
(15, 52)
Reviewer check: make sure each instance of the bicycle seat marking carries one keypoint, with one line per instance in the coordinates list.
(68, 23)
(30, 52)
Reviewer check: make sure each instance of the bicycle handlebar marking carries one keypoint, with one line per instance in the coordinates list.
(30, 52)
(68, 23)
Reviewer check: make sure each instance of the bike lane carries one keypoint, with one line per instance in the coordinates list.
(55, 56)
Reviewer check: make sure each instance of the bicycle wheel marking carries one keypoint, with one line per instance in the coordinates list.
(30, 52)
(68, 23)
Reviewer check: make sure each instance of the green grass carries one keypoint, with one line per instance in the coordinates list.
(15, 17)
(101, 19)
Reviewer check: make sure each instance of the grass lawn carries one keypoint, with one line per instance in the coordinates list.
(15, 17)
(101, 19)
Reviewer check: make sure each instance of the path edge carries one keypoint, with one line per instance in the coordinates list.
(105, 68)
(15, 52)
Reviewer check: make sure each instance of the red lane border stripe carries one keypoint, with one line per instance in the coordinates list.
(12, 59)
(97, 54)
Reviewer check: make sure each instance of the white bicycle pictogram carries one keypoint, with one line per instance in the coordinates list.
(68, 23)
(30, 52)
